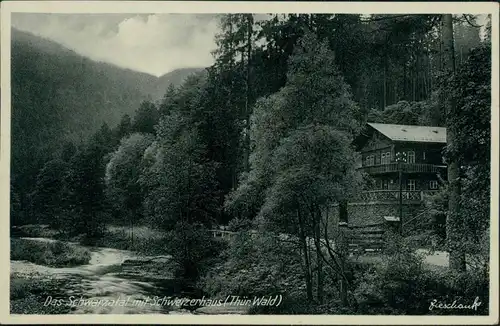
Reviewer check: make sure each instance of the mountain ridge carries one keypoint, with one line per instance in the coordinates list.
(58, 95)
(19, 33)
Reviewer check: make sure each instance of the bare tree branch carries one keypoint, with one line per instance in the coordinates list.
(470, 23)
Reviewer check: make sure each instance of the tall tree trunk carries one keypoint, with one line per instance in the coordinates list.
(247, 93)
(307, 261)
(429, 92)
(343, 248)
(385, 76)
(319, 258)
(454, 224)
(441, 46)
(229, 103)
(425, 78)
(395, 84)
(414, 81)
(404, 82)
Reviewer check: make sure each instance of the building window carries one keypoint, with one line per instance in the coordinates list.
(423, 156)
(411, 157)
(370, 160)
(433, 184)
(386, 158)
(411, 185)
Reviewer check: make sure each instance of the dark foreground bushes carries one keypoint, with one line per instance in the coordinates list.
(398, 283)
(402, 284)
(28, 295)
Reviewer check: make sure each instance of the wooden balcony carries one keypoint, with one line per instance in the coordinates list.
(406, 168)
(393, 195)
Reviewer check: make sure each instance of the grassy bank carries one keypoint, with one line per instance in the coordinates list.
(36, 231)
(53, 254)
(140, 239)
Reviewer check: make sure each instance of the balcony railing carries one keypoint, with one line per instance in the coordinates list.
(393, 195)
(405, 167)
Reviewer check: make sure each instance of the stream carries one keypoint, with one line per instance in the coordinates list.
(114, 282)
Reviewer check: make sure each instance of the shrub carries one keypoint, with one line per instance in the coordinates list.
(27, 296)
(402, 284)
(256, 266)
(193, 249)
(54, 254)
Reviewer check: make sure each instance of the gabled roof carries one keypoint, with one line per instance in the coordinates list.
(421, 134)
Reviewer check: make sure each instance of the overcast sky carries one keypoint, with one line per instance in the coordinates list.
(152, 43)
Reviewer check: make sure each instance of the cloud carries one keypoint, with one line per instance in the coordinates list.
(154, 43)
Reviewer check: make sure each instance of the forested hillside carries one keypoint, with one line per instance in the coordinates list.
(58, 95)
(263, 140)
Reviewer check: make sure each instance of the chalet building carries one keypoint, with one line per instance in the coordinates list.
(397, 159)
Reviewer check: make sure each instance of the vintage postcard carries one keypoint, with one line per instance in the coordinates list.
(249, 162)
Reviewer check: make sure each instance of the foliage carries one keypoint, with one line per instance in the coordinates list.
(193, 248)
(408, 113)
(181, 185)
(471, 118)
(122, 176)
(471, 124)
(140, 239)
(59, 96)
(403, 284)
(302, 160)
(179, 181)
(83, 197)
(315, 95)
(48, 191)
(145, 119)
(124, 127)
(53, 254)
(27, 296)
(260, 140)
(240, 224)
(256, 266)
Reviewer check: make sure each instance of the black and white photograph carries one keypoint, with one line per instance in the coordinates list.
(251, 163)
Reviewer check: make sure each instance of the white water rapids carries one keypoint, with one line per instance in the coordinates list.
(105, 279)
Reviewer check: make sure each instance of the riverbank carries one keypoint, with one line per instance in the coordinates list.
(27, 295)
(109, 275)
(140, 239)
(48, 253)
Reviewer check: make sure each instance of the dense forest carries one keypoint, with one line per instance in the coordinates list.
(263, 140)
(58, 96)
